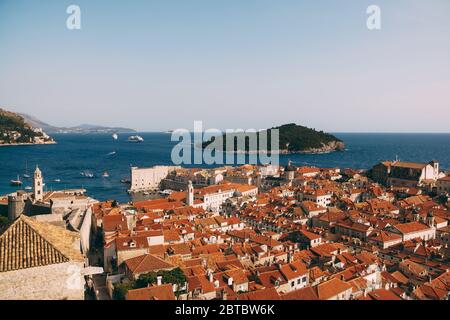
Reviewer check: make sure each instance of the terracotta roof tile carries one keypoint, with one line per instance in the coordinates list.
(147, 263)
(27, 243)
(163, 292)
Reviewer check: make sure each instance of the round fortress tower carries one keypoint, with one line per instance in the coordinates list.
(16, 205)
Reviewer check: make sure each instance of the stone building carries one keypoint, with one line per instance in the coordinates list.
(40, 261)
(405, 174)
(443, 185)
(146, 179)
(16, 204)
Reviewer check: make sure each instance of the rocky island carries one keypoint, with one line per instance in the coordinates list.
(299, 139)
(15, 130)
(295, 139)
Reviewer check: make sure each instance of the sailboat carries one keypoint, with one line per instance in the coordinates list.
(26, 175)
(17, 182)
(115, 136)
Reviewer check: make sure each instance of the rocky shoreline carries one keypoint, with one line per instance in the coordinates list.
(26, 144)
(326, 148)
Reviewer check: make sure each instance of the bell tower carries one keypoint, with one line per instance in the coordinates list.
(38, 185)
(190, 194)
(430, 219)
(435, 166)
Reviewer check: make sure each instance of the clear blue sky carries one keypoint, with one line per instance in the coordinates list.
(157, 65)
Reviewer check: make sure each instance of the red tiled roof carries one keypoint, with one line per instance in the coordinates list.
(411, 227)
(264, 294)
(383, 294)
(307, 293)
(162, 292)
(332, 288)
(147, 263)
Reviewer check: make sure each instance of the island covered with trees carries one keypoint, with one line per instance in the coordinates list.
(293, 138)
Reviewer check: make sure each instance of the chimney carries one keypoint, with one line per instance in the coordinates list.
(289, 257)
(210, 276)
(159, 280)
(224, 294)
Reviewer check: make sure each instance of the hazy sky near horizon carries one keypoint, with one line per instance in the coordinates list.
(158, 65)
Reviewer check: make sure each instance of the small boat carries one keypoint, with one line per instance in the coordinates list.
(126, 181)
(87, 174)
(111, 153)
(17, 182)
(115, 136)
(105, 174)
(28, 188)
(57, 180)
(26, 175)
(135, 139)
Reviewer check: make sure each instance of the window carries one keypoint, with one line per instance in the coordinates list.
(292, 283)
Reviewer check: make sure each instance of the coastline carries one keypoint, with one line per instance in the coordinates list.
(26, 144)
(329, 147)
(73, 154)
(282, 152)
(323, 150)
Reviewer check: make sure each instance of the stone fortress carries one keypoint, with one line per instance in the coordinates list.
(44, 248)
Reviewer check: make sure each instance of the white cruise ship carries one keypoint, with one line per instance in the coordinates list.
(135, 139)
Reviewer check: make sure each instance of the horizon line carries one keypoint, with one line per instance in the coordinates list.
(331, 132)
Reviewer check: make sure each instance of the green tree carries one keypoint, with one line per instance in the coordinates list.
(443, 199)
(120, 290)
(175, 276)
(144, 280)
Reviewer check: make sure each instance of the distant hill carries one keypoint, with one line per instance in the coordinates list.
(15, 130)
(298, 139)
(82, 129)
(36, 123)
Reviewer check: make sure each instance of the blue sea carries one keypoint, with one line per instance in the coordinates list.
(97, 153)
